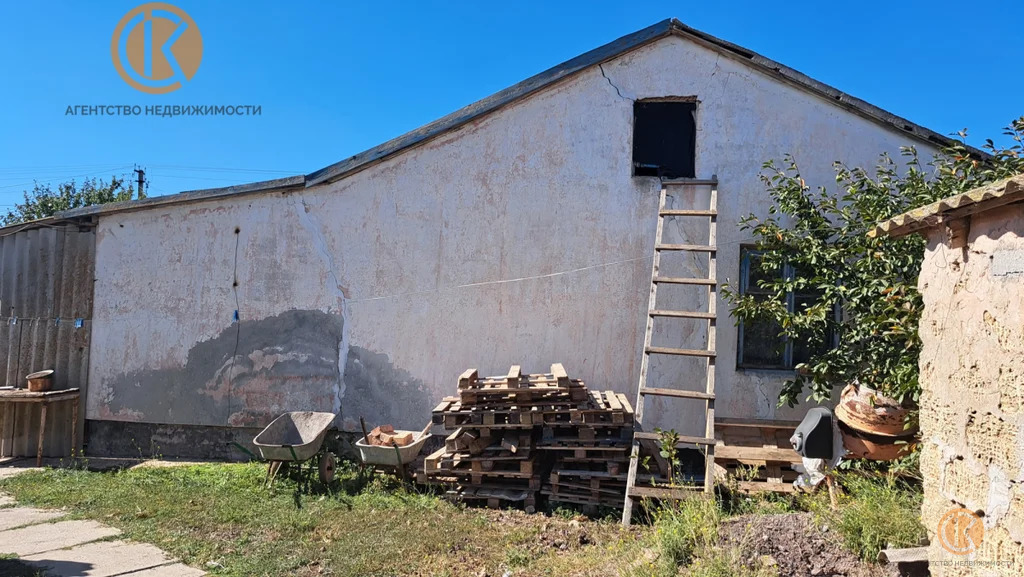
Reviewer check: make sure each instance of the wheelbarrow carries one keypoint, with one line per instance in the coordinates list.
(391, 457)
(297, 437)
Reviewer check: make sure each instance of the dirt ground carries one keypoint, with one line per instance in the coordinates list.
(797, 546)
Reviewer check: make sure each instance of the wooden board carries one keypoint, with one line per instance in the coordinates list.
(755, 455)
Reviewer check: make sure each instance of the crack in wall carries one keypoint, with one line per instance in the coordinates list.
(312, 226)
(612, 84)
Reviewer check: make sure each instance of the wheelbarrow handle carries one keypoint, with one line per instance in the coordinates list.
(246, 451)
(292, 451)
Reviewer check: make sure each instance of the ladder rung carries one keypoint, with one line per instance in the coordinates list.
(683, 441)
(682, 280)
(677, 212)
(678, 492)
(690, 181)
(676, 393)
(681, 352)
(689, 247)
(682, 314)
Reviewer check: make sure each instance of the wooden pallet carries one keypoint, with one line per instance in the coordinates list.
(510, 431)
(755, 455)
(455, 463)
(594, 492)
(493, 498)
(517, 387)
(587, 433)
(483, 441)
(602, 408)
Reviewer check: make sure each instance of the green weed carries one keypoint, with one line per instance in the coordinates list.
(873, 514)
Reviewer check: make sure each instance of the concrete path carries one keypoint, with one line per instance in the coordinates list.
(62, 548)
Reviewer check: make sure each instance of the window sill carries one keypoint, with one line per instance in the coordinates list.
(779, 372)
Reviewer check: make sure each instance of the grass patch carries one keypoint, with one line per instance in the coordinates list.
(686, 541)
(220, 518)
(874, 513)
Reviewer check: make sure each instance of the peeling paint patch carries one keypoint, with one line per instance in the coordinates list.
(382, 393)
(248, 374)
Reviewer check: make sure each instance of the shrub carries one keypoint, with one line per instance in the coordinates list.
(860, 306)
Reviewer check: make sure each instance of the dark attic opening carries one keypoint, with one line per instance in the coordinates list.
(664, 139)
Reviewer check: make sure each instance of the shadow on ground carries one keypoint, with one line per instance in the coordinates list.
(15, 568)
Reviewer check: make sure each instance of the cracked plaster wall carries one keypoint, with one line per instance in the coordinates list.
(540, 187)
(972, 378)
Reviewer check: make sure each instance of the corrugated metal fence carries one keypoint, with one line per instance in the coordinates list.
(46, 282)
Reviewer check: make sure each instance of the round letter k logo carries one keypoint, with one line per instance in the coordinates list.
(156, 48)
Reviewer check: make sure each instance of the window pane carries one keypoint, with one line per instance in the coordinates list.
(757, 274)
(803, 349)
(762, 346)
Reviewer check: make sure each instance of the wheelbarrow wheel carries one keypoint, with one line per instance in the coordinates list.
(327, 467)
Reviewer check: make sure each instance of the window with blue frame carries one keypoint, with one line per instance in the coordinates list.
(761, 345)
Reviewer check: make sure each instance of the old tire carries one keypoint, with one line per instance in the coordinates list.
(326, 468)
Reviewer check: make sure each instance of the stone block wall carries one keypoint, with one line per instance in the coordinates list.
(972, 376)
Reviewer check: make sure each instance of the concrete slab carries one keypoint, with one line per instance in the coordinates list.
(172, 570)
(12, 469)
(12, 517)
(6, 500)
(102, 559)
(43, 537)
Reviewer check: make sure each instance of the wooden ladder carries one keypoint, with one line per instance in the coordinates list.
(653, 312)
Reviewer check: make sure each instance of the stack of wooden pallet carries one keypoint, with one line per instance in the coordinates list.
(590, 460)
(515, 436)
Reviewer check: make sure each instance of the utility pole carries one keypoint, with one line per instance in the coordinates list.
(142, 181)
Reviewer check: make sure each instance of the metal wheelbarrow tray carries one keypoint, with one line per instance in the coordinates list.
(297, 437)
(387, 455)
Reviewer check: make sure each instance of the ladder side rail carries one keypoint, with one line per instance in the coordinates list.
(709, 424)
(638, 408)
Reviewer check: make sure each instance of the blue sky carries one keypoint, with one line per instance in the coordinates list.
(336, 78)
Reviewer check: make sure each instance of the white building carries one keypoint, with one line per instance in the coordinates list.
(518, 230)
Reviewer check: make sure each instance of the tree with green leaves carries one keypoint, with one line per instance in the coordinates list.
(861, 324)
(43, 201)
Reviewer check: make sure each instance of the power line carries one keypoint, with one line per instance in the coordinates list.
(65, 177)
(225, 169)
(184, 177)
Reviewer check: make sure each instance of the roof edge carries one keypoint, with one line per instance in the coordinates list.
(828, 92)
(187, 196)
(614, 49)
(492, 103)
(1000, 193)
(530, 86)
(45, 222)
